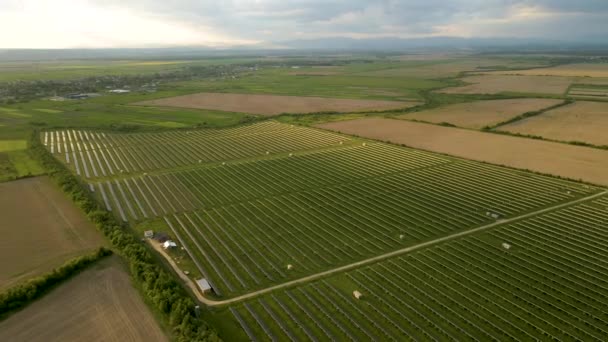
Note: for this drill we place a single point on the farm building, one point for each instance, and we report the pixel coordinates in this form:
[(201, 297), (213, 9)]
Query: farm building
[(357, 294), (161, 237), (204, 285), (149, 234), (169, 244), (506, 245)]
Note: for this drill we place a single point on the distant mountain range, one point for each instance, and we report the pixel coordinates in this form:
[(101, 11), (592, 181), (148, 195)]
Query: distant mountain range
[(338, 44)]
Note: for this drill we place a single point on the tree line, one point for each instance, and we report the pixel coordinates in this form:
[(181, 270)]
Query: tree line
[(21, 295), (159, 287)]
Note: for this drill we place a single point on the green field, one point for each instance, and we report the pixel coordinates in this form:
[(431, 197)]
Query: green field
[(286, 221)]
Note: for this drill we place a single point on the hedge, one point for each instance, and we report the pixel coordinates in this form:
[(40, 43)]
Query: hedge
[(21, 295)]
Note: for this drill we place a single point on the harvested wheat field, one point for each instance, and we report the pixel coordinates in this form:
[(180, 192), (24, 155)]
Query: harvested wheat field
[(595, 93), (568, 70), (481, 113), (41, 228), (97, 305), (580, 121), (494, 84), (274, 104), (569, 161)]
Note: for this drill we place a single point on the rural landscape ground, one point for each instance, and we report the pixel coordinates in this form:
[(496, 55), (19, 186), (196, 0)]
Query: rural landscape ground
[(423, 196)]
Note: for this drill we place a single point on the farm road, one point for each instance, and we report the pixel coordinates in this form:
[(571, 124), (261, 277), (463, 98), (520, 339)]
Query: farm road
[(211, 302)]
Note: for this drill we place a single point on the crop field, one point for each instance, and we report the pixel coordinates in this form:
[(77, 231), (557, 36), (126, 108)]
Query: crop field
[(480, 114), (447, 67), (41, 229), (582, 121), (99, 304), (273, 104), (568, 70), (550, 284), (595, 92), (246, 219), (574, 162), (495, 84)]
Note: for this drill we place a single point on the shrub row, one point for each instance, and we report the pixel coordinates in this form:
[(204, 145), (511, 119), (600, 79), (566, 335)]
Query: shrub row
[(19, 296), (158, 286)]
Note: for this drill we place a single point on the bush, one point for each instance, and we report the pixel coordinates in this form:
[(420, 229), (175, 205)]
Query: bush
[(19, 296), (157, 285)]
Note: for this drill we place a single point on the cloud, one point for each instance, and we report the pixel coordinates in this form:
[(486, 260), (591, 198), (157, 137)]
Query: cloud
[(118, 23)]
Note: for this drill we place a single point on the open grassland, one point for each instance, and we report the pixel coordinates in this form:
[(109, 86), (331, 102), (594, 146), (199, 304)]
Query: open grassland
[(569, 161), (41, 228), (349, 86), (480, 114), (580, 121), (98, 305), (447, 67), (568, 70), (273, 105), (320, 202), (15, 162), (551, 283), (495, 84)]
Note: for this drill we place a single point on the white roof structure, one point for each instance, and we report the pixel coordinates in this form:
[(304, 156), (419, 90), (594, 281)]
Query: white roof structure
[(149, 234), (203, 284), (169, 244), (357, 294)]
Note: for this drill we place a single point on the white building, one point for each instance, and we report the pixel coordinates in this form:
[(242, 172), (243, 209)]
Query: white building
[(169, 244), (204, 285), (357, 294)]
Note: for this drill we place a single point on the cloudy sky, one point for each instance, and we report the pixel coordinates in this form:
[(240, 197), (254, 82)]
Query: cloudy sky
[(224, 23)]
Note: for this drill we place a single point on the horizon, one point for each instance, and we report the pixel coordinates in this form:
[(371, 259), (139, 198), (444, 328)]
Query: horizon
[(269, 24)]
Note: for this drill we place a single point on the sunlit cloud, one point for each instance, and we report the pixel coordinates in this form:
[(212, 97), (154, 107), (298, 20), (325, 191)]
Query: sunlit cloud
[(226, 23)]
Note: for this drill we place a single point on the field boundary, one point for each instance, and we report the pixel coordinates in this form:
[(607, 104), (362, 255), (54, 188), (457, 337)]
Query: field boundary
[(211, 302)]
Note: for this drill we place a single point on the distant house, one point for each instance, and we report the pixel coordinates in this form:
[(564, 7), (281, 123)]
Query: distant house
[(357, 294), (169, 244), (76, 96), (506, 245), (149, 234), (204, 285)]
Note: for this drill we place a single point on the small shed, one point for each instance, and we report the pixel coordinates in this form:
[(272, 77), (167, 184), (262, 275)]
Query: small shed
[(289, 266), (148, 234), (506, 245), (161, 237), (204, 285), (357, 294), (169, 244)]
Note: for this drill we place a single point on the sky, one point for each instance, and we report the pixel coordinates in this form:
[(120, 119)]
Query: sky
[(228, 23)]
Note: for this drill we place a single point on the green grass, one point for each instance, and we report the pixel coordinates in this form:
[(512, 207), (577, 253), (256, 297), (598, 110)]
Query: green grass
[(15, 162), (24, 164), (339, 86), (12, 145)]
